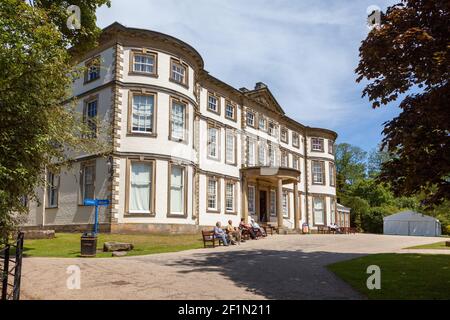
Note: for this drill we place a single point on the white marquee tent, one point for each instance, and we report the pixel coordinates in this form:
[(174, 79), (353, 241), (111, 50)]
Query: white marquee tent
[(409, 223)]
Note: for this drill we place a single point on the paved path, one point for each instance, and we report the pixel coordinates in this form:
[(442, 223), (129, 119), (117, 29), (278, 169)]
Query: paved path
[(279, 267)]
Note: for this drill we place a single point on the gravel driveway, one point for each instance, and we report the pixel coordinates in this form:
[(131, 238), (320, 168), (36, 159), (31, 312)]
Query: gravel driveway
[(279, 267)]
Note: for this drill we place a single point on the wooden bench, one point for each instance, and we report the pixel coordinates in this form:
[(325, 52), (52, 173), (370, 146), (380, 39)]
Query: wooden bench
[(209, 240), (323, 230)]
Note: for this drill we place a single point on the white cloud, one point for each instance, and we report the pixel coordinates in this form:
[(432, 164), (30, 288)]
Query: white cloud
[(305, 51)]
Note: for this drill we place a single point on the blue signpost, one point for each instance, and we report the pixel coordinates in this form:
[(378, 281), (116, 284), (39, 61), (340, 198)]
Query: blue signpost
[(97, 203)]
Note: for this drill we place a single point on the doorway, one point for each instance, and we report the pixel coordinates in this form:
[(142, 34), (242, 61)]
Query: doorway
[(263, 206)]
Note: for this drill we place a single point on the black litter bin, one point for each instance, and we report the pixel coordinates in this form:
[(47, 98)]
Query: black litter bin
[(88, 245)]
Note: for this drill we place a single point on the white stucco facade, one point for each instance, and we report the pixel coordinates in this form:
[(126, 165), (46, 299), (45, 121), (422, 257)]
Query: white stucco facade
[(215, 169)]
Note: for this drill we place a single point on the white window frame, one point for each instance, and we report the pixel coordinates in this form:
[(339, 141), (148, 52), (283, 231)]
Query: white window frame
[(262, 154), (150, 189), (144, 65), (213, 144), (251, 154), (144, 116), (229, 106), (316, 173), (212, 197), (250, 119), (174, 134), (182, 190), (317, 144), (230, 147), (229, 198), (216, 104), (315, 210)]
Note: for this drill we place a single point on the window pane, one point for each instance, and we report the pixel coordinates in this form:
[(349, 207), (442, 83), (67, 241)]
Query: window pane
[(144, 63), (91, 118), (317, 172), (143, 113), (229, 112), (230, 147), (212, 142), (318, 211), (176, 190), (250, 153), (178, 120), (212, 194), (140, 188), (212, 103), (229, 200)]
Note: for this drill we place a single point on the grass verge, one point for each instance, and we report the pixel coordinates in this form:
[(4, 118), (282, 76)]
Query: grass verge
[(67, 245), (436, 245), (403, 276)]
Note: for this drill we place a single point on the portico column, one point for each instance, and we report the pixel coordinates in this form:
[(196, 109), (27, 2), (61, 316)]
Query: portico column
[(280, 204), (296, 207), (245, 199)]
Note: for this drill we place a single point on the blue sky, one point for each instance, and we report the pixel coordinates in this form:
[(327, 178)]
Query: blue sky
[(304, 50)]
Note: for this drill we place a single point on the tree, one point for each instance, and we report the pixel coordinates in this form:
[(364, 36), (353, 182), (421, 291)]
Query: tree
[(37, 130), (350, 165), (408, 55), (375, 162)]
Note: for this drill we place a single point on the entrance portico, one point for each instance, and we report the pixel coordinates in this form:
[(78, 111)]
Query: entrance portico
[(266, 179)]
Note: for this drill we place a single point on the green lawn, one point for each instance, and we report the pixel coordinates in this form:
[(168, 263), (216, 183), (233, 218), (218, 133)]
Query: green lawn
[(67, 245), (403, 276), (436, 245)]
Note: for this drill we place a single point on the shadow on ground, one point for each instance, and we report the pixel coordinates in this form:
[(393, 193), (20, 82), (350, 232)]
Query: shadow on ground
[(275, 274)]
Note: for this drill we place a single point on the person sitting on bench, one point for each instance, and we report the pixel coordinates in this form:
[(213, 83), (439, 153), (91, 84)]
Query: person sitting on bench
[(257, 228), (234, 233), (220, 234), (248, 228)]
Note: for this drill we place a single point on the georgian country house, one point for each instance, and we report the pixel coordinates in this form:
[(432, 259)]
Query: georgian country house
[(187, 149)]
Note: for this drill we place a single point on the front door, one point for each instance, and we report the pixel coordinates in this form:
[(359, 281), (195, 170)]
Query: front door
[(263, 206)]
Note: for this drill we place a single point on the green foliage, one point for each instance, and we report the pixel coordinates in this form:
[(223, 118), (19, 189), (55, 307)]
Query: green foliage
[(37, 130), (80, 40), (361, 191), (409, 56)]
